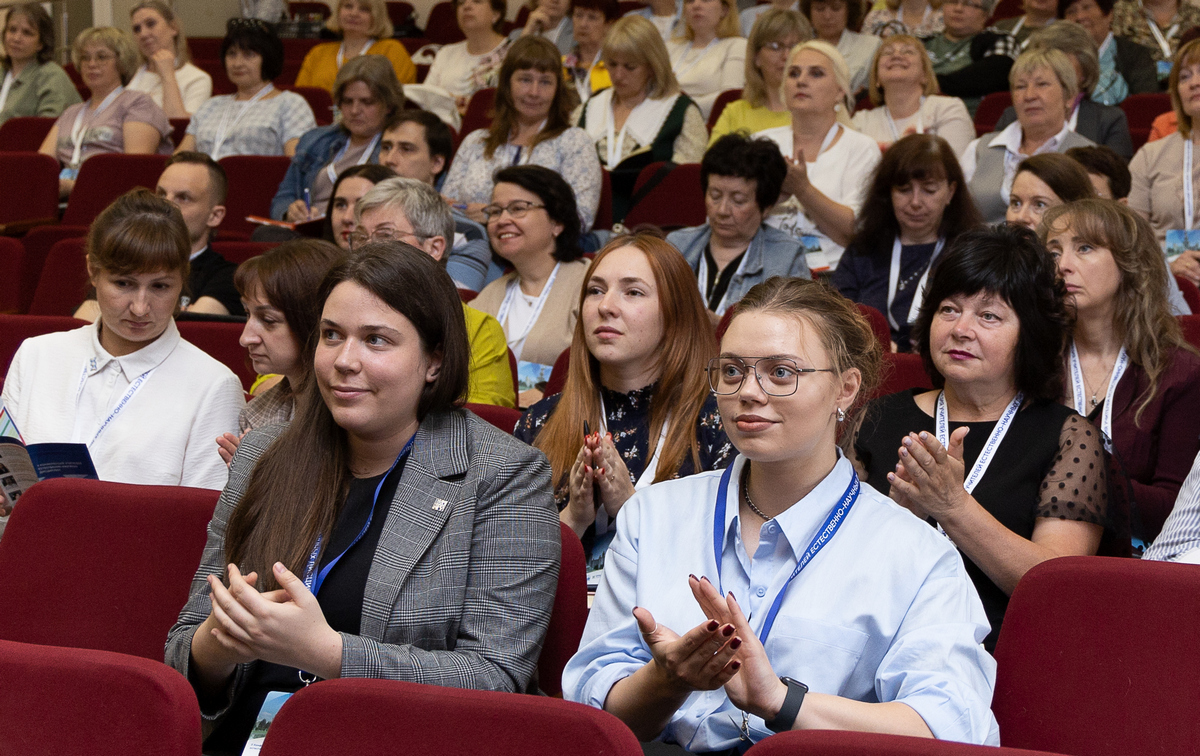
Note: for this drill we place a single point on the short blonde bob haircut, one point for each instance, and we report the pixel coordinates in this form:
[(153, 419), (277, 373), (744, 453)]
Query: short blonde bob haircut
[(381, 24), (636, 38), (1057, 61), (117, 41), (729, 26), (183, 53), (774, 25), (1075, 41), (873, 87), (1188, 55)]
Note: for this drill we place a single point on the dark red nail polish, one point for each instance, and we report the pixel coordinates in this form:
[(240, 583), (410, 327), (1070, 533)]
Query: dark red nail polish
[(728, 631), (735, 643), (713, 625), (735, 666), (692, 577)]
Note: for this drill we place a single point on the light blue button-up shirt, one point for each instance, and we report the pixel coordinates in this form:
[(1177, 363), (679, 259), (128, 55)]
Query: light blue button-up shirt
[(885, 612)]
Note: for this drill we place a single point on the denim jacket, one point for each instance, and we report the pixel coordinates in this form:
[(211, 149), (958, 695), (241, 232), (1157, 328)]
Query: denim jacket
[(771, 253), (315, 150)]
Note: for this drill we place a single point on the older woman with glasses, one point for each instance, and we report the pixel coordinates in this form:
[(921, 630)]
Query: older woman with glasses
[(761, 107)]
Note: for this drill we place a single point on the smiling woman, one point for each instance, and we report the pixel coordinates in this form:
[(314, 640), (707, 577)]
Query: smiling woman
[(147, 403)]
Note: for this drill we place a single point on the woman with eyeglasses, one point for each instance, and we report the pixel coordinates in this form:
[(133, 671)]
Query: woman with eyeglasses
[(816, 603), (637, 385), (533, 225), (761, 106), (167, 73)]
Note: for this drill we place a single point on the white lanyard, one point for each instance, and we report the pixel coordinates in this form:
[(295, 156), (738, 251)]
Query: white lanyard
[(8, 81), (894, 281), (828, 140), (679, 72), (510, 295), (1017, 27), (584, 85), (78, 130), (125, 399), (331, 170), (702, 281), (341, 53), (647, 477), (1107, 41), (993, 441), (920, 119), (1189, 207), (1163, 44), (227, 125), (615, 142), (1078, 391)]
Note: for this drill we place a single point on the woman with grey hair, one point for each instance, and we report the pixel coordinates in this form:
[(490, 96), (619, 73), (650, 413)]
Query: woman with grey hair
[(1090, 117), (115, 119)]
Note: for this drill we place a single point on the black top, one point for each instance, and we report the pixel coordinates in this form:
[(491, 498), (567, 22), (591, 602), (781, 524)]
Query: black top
[(862, 276), (212, 276), (718, 283), (340, 597), (1049, 465)]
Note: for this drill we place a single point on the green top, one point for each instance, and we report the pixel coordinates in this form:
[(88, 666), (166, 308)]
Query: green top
[(41, 89)]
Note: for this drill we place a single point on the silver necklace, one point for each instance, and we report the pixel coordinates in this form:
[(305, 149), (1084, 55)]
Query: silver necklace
[(746, 493)]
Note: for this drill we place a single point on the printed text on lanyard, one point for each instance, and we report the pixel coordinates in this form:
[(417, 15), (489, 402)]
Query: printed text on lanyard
[(88, 368), (990, 446), (1078, 392)]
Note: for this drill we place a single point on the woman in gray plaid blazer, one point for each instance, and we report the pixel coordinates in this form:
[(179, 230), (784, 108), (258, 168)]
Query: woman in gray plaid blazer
[(391, 534)]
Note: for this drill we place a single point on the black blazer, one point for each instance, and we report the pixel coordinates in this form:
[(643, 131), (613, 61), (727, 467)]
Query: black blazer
[(1103, 124), (1136, 66)]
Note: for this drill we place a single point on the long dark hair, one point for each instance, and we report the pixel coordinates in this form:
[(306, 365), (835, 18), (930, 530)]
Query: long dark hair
[(299, 485), (917, 157), (372, 172)]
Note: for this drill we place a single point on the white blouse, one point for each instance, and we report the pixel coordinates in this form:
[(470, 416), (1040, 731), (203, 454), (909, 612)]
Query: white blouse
[(61, 387), (195, 86), (705, 73)]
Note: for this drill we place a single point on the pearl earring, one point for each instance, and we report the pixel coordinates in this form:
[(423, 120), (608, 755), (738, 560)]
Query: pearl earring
[(841, 415)]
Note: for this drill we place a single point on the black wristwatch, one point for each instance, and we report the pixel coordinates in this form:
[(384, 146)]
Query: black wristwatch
[(786, 717)]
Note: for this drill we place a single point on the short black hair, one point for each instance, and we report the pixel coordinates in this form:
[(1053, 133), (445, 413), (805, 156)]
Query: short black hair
[(437, 134), (1102, 161), (216, 174), (1106, 6), (740, 156), (254, 36), (558, 197), (1010, 262)]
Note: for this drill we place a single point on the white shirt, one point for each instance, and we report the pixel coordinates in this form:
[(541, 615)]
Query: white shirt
[(452, 68), (1010, 138), (195, 86), (704, 73), (165, 435), (842, 173), (518, 318), (902, 624), (859, 51)]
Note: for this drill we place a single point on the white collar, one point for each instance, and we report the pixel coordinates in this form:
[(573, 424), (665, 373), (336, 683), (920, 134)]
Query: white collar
[(147, 358), (1010, 139), (643, 122)]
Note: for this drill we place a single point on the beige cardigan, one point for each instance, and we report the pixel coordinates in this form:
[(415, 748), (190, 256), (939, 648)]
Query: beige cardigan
[(555, 326)]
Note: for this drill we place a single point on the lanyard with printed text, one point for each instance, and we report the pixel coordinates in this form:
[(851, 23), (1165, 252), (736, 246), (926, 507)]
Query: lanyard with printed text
[(78, 129), (920, 119), (134, 387), (8, 82), (1078, 392), (341, 53), (702, 280), (331, 170)]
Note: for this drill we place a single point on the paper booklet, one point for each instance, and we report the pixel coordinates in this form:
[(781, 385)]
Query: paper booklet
[(21, 466)]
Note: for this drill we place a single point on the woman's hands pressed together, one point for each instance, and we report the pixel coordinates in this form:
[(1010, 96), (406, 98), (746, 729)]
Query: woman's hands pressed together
[(598, 468), (929, 478)]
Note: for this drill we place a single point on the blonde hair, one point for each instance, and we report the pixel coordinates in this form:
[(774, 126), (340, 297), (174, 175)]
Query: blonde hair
[(729, 26), (1075, 41), (636, 37), (894, 5), (381, 24), (1055, 60), (183, 53), (841, 75), (1188, 54), (772, 25), (873, 87), (119, 42)]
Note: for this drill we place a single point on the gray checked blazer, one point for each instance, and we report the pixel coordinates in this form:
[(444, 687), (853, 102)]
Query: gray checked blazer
[(458, 595)]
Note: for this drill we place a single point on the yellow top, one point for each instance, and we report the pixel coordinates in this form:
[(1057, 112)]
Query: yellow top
[(491, 379), (740, 116), (320, 67), (599, 76)]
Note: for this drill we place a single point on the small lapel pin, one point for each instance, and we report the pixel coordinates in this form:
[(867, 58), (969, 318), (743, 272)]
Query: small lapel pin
[(439, 505)]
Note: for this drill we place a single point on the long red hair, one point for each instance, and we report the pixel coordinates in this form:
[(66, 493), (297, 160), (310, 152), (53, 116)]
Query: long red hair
[(688, 343)]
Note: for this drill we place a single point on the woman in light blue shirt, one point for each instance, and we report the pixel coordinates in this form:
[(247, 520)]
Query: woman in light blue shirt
[(850, 612)]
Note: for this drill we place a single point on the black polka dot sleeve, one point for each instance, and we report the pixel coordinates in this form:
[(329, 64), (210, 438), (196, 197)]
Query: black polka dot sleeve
[(1076, 487)]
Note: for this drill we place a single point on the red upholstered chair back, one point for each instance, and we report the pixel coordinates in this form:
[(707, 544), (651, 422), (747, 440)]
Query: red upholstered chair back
[(442, 26), (1191, 294), (1140, 111), (64, 282), (1191, 329), (399, 13), (558, 373), (504, 418), (321, 102), (879, 325), (36, 247), (25, 133), (426, 719), (103, 178), (78, 701), (901, 372), (253, 181), (1097, 657), (568, 617), (478, 109), (630, 5), (676, 202), (220, 341), (35, 195), (834, 743), (89, 564), (1006, 9), (12, 259), (16, 328), (179, 128), (990, 109), (240, 251), (723, 99)]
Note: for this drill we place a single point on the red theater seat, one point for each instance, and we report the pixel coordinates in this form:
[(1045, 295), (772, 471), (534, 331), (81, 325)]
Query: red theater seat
[(723, 99), (569, 614), (63, 285), (253, 181), (220, 341), (676, 202), (991, 107), (902, 372), (504, 418), (14, 329), (25, 133), (442, 26)]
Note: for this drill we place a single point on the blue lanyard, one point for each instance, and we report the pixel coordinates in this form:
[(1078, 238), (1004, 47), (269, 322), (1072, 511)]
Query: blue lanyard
[(313, 579), (824, 535)]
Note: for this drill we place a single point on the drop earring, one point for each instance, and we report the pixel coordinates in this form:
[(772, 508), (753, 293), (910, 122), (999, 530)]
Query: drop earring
[(841, 415)]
